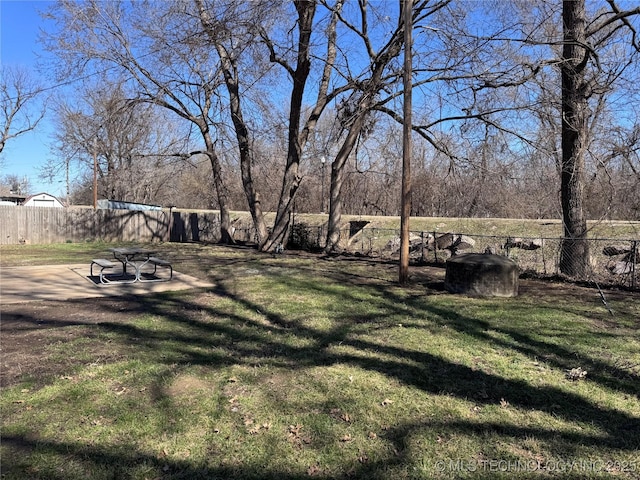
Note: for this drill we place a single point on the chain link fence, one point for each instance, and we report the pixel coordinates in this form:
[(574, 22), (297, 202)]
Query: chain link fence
[(614, 262)]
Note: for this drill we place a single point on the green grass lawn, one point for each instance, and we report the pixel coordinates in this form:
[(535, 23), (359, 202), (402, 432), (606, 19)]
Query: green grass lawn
[(304, 366)]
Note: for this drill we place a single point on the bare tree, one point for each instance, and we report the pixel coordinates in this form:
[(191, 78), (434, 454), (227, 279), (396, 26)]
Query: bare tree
[(17, 95), (131, 143), (165, 63), (254, 79), (299, 130), (369, 90), (584, 76), (222, 28), (14, 185), (294, 54), (617, 175)]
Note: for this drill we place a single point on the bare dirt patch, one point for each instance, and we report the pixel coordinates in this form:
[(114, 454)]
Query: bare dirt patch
[(31, 331), (188, 385)]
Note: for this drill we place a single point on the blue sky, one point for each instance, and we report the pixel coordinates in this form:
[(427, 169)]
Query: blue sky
[(25, 155)]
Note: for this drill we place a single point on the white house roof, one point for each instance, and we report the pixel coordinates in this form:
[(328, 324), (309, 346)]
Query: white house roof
[(42, 199)]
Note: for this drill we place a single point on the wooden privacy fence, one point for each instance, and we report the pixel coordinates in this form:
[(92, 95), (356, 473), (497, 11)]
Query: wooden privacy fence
[(42, 225)]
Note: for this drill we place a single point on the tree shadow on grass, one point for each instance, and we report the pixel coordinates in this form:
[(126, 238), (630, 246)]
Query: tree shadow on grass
[(201, 338), (425, 371), (264, 343), (118, 463), (605, 374)]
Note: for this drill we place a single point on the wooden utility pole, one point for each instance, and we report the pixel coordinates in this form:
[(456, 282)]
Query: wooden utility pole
[(406, 145), (95, 172)]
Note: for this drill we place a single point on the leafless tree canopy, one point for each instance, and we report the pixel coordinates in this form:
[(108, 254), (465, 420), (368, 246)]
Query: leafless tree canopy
[(264, 90), (18, 93)]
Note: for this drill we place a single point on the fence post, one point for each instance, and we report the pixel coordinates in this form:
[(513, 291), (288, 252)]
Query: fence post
[(435, 247), (634, 259)]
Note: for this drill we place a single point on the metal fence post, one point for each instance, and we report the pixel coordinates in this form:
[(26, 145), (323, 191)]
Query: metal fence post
[(435, 247), (634, 259)]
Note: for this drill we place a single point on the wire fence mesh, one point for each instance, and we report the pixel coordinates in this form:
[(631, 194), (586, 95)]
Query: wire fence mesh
[(611, 262)]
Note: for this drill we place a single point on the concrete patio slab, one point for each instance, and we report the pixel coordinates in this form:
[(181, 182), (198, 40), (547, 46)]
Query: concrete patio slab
[(64, 282)]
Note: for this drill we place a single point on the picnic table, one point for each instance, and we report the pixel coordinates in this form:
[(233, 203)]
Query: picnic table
[(136, 258)]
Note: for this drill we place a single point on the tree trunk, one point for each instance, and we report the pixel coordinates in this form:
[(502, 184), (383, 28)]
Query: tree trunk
[(225, 218), (242, 135), (574, 255), (230, 73), (337, 180), (335, 208), (291, 182), (253, 197)]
